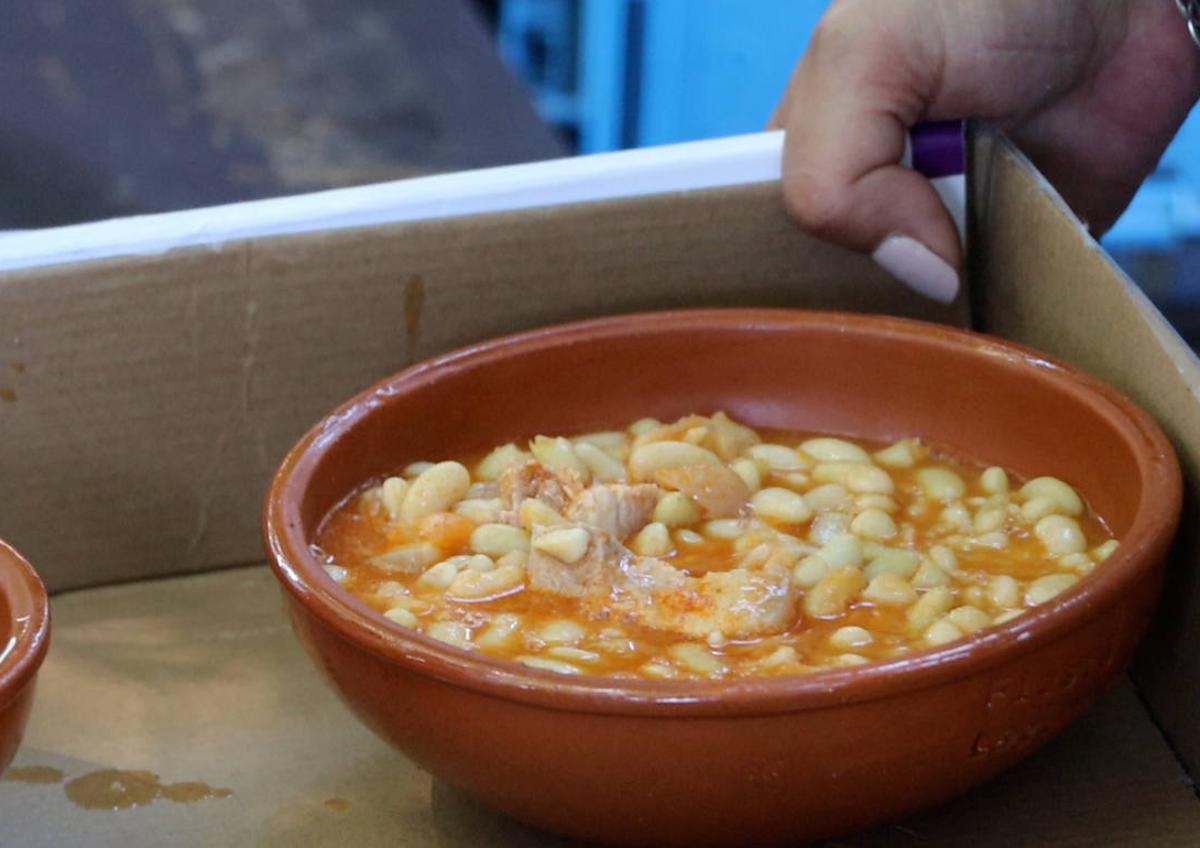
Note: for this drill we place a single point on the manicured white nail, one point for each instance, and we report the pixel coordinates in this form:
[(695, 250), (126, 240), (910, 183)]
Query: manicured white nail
[(918, 267)]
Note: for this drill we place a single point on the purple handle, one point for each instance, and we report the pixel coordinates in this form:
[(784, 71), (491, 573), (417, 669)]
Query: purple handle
[(939, 149)]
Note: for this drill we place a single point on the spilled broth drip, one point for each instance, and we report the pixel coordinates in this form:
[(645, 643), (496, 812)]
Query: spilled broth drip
[(116, 789)]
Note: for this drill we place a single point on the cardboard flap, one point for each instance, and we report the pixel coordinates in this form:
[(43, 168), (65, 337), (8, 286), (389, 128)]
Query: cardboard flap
[(150, 397), (1041, 280)]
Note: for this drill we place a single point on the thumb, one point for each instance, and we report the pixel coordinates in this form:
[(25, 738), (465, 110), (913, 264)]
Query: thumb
[(847, 112)]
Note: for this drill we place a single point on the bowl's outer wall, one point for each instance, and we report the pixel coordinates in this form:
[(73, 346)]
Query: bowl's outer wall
[(23, 596), (760, 777), (13, 717), (772, 779)]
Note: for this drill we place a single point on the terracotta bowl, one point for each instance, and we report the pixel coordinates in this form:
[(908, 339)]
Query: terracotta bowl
[(24, 638), (751, 762)]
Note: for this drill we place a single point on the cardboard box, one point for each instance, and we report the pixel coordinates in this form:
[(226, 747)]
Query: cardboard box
[(154, 371)]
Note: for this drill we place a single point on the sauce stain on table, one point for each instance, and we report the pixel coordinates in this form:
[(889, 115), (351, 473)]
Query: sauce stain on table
[(114, 789), (7, 394), (338, 805), (34, 775)]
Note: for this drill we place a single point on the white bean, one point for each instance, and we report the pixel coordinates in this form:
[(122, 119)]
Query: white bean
[(989, 520), (875, 501), (473, 585), (1080, 563), (1045, 588), (392, 493), (439, 577), (889, 590), (747, 469), (612, 442), (534, 511), (724, 528), (644, 425), (827, 525), (842, 550), (675, 509), (829, 496), (857, 477), (653, 540), (825, 449), (929, 607), (902, 454), (810, 570), (1003, 592), (994, 481), (833, 593), (500, 632), (940, 483), (885, 560), (942, 632), (968, 619), (1064, 497), (558, 452), (496, 540), (451, 632), (604, 466), (943, 557), (780, 505), (849, 660), (402, 617), (1037, 508), (784, 655), (647, 459), (776, 458), (955, 516), (480, 510), (696, 658), (1060, 535), (567, 544), (544, 664), (494, 464), (873, 524), (407, 559), (480, 562), (561, 631), (929, 575), (851, 636), (436, 489)]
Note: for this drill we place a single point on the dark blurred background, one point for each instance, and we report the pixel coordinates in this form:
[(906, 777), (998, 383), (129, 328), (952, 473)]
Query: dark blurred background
[(133, 106)]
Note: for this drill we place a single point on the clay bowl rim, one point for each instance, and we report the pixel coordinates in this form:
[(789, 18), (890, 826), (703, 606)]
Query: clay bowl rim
[(352, 620), (26, 598)]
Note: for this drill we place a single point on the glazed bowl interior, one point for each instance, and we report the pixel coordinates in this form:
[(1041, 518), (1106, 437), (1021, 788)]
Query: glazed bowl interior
[(867, 377)]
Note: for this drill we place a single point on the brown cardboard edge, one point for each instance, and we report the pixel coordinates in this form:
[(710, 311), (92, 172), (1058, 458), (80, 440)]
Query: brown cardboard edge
[(1097, 318), (155, 394)]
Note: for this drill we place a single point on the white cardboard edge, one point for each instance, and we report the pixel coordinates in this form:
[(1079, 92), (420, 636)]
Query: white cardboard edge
[(736, 160)]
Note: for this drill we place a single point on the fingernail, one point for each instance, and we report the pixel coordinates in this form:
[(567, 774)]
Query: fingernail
[(918, 267)]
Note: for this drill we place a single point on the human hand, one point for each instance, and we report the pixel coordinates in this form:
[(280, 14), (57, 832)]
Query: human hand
[(1092, 90)]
